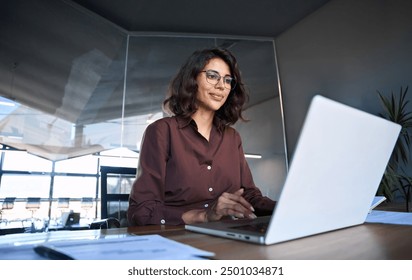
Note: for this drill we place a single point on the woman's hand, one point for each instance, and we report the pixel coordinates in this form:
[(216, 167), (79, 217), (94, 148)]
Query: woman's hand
[(228, 204)]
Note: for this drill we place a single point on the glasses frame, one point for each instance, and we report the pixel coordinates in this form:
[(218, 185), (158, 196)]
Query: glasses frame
[(213, 82)]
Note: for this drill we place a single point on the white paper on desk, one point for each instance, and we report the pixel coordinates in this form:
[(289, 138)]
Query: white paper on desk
[(144, 247), (389, 217)]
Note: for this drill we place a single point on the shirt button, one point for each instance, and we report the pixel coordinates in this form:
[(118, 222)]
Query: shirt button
[(162, 221), (210, 189), (209, 167), (206, 205)]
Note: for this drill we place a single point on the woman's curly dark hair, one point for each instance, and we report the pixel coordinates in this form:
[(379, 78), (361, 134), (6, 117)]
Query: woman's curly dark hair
[(181, 100)]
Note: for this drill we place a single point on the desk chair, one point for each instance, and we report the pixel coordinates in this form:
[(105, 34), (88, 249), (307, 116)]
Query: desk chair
[(8, 204), (115, 201), (62, 204), (86, 203), (33, 204)]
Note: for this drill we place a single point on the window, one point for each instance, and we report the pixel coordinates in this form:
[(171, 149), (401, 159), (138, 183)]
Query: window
[(20, 160), (24, 175), (84, 164)]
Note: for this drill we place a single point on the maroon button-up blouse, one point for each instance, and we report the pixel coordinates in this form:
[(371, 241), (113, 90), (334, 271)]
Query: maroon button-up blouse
[(179, 170)]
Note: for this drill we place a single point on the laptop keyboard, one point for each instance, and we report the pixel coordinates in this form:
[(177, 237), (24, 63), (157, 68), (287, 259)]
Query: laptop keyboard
[(258, 227)]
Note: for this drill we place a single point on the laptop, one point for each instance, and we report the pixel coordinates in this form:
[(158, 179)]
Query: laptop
[(338, 163)]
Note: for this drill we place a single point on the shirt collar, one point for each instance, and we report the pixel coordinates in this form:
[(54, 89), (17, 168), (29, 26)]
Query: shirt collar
[(184, 122)]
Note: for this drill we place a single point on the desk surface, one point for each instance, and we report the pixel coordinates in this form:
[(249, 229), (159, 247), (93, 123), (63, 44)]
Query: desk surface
[(367, 241)]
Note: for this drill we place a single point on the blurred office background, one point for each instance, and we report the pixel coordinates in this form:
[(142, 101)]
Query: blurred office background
[(81, 80)]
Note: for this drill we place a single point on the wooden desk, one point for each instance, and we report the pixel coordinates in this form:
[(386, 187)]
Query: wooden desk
[(368, 241)]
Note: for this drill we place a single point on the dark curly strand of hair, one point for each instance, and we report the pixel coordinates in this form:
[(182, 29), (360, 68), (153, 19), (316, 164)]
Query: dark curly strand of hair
[(181, 100)]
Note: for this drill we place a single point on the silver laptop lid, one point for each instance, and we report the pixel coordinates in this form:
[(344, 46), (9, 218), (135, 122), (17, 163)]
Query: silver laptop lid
[(336, 169)]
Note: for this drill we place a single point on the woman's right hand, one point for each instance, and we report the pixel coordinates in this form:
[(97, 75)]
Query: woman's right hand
[(228, 204)]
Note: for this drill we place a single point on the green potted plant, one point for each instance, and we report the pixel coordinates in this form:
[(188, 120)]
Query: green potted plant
[(395, 178)]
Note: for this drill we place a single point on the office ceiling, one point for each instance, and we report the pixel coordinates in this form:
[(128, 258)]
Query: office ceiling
[(266, 18)]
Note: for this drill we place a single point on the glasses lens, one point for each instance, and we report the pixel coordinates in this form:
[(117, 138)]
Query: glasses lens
[(213, 78), (229, 82)]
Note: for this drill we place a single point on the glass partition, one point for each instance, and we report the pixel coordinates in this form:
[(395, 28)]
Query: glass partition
[(61, 77), (73, 85), (152, 61)]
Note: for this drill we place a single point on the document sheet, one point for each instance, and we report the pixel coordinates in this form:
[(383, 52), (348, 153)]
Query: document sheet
[(144, 247)]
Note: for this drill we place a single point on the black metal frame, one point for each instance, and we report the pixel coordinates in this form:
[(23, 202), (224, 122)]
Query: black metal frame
[(105, 197)]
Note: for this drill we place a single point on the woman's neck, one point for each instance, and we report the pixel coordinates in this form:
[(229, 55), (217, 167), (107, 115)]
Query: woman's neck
[(204, 122)]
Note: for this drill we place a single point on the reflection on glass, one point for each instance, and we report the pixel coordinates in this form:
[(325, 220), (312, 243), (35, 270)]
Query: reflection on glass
[(97, 88), (63, 83), (102, 101), (120, 183)]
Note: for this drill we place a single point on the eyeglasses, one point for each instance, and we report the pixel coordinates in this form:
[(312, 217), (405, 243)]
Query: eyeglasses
[(213, 77)]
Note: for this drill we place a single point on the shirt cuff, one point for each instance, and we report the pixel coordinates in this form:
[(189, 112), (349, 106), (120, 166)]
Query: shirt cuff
[(154, 213)]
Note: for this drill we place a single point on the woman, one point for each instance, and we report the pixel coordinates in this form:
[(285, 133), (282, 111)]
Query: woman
[(192, 166)]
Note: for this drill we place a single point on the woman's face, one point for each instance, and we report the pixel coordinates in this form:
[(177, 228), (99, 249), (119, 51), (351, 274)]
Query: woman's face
[(211, 96)]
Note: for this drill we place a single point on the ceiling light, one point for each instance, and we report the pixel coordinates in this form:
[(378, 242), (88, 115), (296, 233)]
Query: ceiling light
[(253, 155)]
